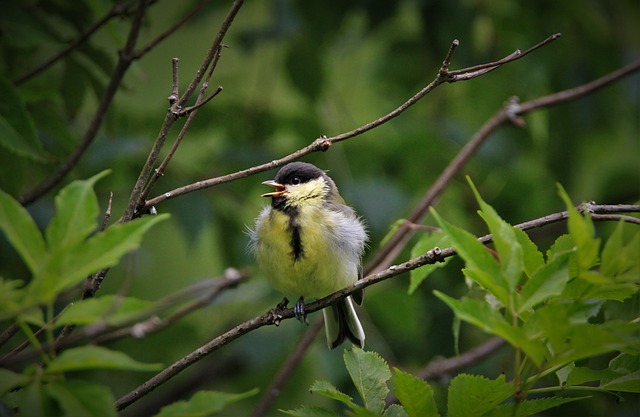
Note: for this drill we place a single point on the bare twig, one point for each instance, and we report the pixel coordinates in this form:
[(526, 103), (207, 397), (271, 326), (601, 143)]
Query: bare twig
[(101, 333), (509, 113), (278, 314), (135, 202), (323, 143)]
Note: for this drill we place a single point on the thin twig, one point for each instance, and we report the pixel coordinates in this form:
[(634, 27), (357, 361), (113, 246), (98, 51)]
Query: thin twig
[(134, 206), (509, 113), (278, 314), (322, 143)]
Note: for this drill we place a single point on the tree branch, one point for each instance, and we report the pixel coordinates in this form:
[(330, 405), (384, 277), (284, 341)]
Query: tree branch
[(323, 143), (276, 315), (509, 113)]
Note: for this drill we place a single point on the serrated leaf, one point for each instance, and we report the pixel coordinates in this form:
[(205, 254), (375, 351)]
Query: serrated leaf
[(311, 411), (203, 404), (369, 373), (426, 243), (548, 281), (21, 231), (395, 410), (113, 309), (100, 251), (625, 383), (482, 315), (533, 258), (82, 398), (477, 259), (505, 240), (96, 357), (473, 395), (415, 395), (529, 407), (76, 213), (618, 258), (582, 232), (626, 374), (328, 390)]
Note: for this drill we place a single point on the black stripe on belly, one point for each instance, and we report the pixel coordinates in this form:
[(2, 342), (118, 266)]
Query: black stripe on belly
[(296, 241)]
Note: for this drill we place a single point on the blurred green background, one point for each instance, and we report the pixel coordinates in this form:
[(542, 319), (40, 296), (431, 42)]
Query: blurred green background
[(295, 70)]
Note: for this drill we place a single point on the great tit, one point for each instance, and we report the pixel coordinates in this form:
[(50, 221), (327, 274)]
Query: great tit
[(309, 244)]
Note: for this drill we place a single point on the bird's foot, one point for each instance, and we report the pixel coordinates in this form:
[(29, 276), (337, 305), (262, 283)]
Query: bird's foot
[(299, 313)]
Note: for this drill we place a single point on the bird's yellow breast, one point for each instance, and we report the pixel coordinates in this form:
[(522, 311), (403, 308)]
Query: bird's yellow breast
[(319, 268)]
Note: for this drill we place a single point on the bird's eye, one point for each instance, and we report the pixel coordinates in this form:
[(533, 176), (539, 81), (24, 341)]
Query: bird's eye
[(295, 181)]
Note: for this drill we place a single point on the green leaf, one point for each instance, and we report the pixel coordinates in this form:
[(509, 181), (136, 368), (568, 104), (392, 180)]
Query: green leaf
[(369, 373), (102, 250), (582, 231), (82, 398), (482, 315), (626, 368), (22, 232), (328, 390), (478, 259), (548, 281), (96, 357), (113, 309), (76, 212), (473, 395), (10, 297), (311, 411), (529, 407), (618, 258), (33, 401), (505, 240), (426, 243), (395, 410), (10, 380), (203, 403), (415, 395), (17, 130), (579, 375), (533, 258)]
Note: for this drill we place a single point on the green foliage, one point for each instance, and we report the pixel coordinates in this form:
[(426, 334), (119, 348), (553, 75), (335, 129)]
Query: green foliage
[(203, 404), (370, 375), (532, 303), (70, 252), (71, 249)]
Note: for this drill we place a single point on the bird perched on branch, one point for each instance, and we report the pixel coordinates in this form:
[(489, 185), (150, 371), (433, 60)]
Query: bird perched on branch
[(309, 244)]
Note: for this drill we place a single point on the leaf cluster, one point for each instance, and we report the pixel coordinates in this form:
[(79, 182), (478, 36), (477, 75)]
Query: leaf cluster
[(544, 305)]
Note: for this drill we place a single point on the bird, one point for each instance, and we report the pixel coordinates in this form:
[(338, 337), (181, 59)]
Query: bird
[(309, 243)]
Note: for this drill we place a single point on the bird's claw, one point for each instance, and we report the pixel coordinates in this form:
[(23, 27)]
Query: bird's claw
[(299, 312)]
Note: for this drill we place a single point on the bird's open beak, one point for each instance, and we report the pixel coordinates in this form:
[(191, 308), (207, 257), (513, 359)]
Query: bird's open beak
[(279, 189)]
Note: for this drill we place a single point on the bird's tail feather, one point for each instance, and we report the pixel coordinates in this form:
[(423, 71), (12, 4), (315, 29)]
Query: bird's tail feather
[(341, 322)]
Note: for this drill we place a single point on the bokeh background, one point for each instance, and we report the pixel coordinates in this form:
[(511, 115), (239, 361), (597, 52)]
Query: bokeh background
[(295, 70)]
